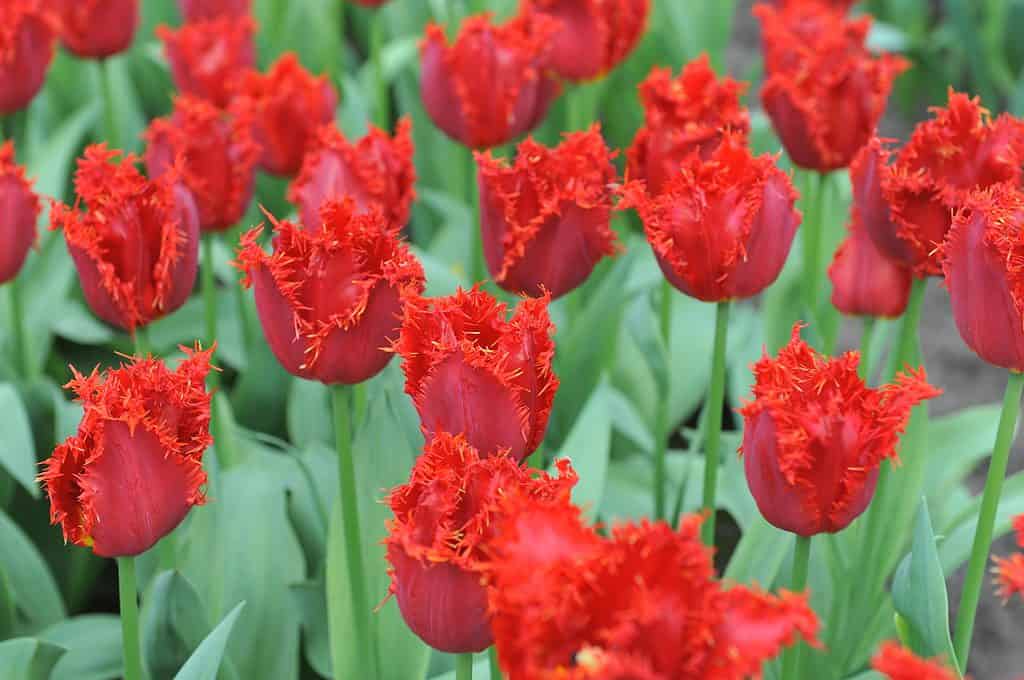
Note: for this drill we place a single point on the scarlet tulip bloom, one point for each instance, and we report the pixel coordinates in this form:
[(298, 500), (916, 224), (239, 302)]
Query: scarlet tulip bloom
[(545, 219), (330, 298), (289, 105), (682, 115), (721, 228), (864, 281), (376, 170), (134, 469), (815, 435), (643, 603), (491, 84), (20, 207), (594, 36), (1009, 571), (436, 545), (26, 49), (219, 155), (469, 369), (199, 10), (370, 3), (97, 28), (136, 246), (897, 663), (208, 57)]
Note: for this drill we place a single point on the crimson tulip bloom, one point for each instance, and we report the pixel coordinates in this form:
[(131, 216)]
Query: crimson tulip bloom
[(370, 3), (1009, 571), (136, 247), (682, 115), (593, 36), (721, 228), (97, 29), (898, 663), (864, 281), (208, 57), (815, 435), (545, 219), (436, 545), (330, 298), (26, 50), (20, 208), (491, 84), (376, 170), (134, 469), (470, 370), (199, 10), (219, 154)]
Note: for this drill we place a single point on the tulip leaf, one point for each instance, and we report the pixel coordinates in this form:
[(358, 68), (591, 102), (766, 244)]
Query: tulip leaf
[(310, 597), (17, 450), (309, 413), (204, 663), (76, 323), (93, 643), (480, 670), (957, 542), (28, 576), (28, 658), (588, 446)]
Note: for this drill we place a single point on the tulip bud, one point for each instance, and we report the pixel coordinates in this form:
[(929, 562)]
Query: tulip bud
[(134, 469), (898, 663), (377, 171), (1009, 571), (815, 435), (330, 298), (208, 57), (199, 10), (490, 85), (721, 228), (545, 220), (26, 49), (97, 29), (864, 281), (136, 247), (19, 208)]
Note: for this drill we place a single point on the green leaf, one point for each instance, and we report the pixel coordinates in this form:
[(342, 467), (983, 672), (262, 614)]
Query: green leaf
[(17, 451), (311, 599), (93, 642), (759, 554), (588, 446), (50, 164), (481, 669), (76, 323), (309, 413), (206, 660), (28, 576), (28, 659)]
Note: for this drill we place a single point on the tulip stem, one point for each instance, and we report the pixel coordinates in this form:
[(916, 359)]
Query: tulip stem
[(905, 344), (801, 559), (867, 334), (662, 426), (492, 656), (110, 132), (716, 397), (987, 518), (19, 338), (811, 234), (128, 593), (464, 667), (209, 284), (477, 266), (142, 348), (383, 109)]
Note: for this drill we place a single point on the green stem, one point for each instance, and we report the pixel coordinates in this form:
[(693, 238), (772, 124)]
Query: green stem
[(906, 343), (987, 518), (867, 334), (111, 133), (141, 340), (464, 667), (208, 281), (716, 397), (478, 267), (811, 234), (492, 656), (801, 559), (129, 618), (383, 109), (19, 336), (662, 426)]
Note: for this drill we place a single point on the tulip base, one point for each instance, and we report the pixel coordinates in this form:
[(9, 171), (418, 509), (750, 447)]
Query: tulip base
[(801, 560), (464, 667), (127, 591), (716, 397)]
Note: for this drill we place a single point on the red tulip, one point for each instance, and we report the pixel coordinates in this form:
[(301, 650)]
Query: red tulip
[(545, 219), (134, 469), (97, 28), (376, 170), (722, 227), (490, 85), (470, 370), (289, 105), (436, 545), (682, 115), (815, 435), (208, 57), (26, 49), (864, 281), (593, 36), (198, 10), (19, 207), (370, 3), (136, 247), (330, 298), (219, 158), (897, 663), (1009, 571)]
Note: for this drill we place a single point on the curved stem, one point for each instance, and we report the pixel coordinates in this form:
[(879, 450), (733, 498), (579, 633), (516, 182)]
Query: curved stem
[(19, 335), (801, 559), (383, 109), (464, 667), (716, 398), (127, 591), (661, 425)]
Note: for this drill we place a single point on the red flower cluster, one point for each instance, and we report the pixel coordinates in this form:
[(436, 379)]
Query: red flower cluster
[(97, 28), (20, 208), (207, 56), (815, 435), (27, 35), (898, 663), (1009, 571), (198, 10), (134, 469), (865, 281), (545, 219)]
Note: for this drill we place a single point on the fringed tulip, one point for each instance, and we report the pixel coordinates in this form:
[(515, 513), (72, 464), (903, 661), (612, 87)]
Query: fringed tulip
[(27, 37), (134, 469), (545, 219), (330, 298), (199, 10), (1009, 571), (19, 210), (898, 663), (815, 435), (208, 57), (470, 370), (96, 29), (136, 246), (864, 281)]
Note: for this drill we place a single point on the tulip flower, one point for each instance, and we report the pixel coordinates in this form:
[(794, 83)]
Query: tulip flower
[(289, 105), (370, 3), (681, 115), (96, 29), (1009, 571), (136, 245), (469, 369), (437, 542), (20, 208), (491, 84), (199, 10), (864, 281), (898, 663), (593, 36), (377, 170), (26, 50), (330, 298), (208, 57), (545, 219)]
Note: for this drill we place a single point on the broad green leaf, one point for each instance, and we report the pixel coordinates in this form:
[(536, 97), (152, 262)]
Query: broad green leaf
[(8, 607), (93, 642), (75, 322), (627, 420), (956, 545), (17, 450), (759, 554), (28, 576), (311, 599), (481, 669), (309, 413), (588, 446), (206, 660), (28, 659), (51, 163)]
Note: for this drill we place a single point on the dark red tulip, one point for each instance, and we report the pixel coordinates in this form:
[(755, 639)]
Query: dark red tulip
[(330, 298), (219, 155), (376, 170), (19, 208), (26, 49), (545, 219), (682, 115), (722, 227), (135, 468), (97, 28), (370, 3), (899, 663), (815, 435), (864, 281), (289, 105), (593, 36), (208, 57), (469, 369), (199, 10), (490, 85), (136, 246)]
